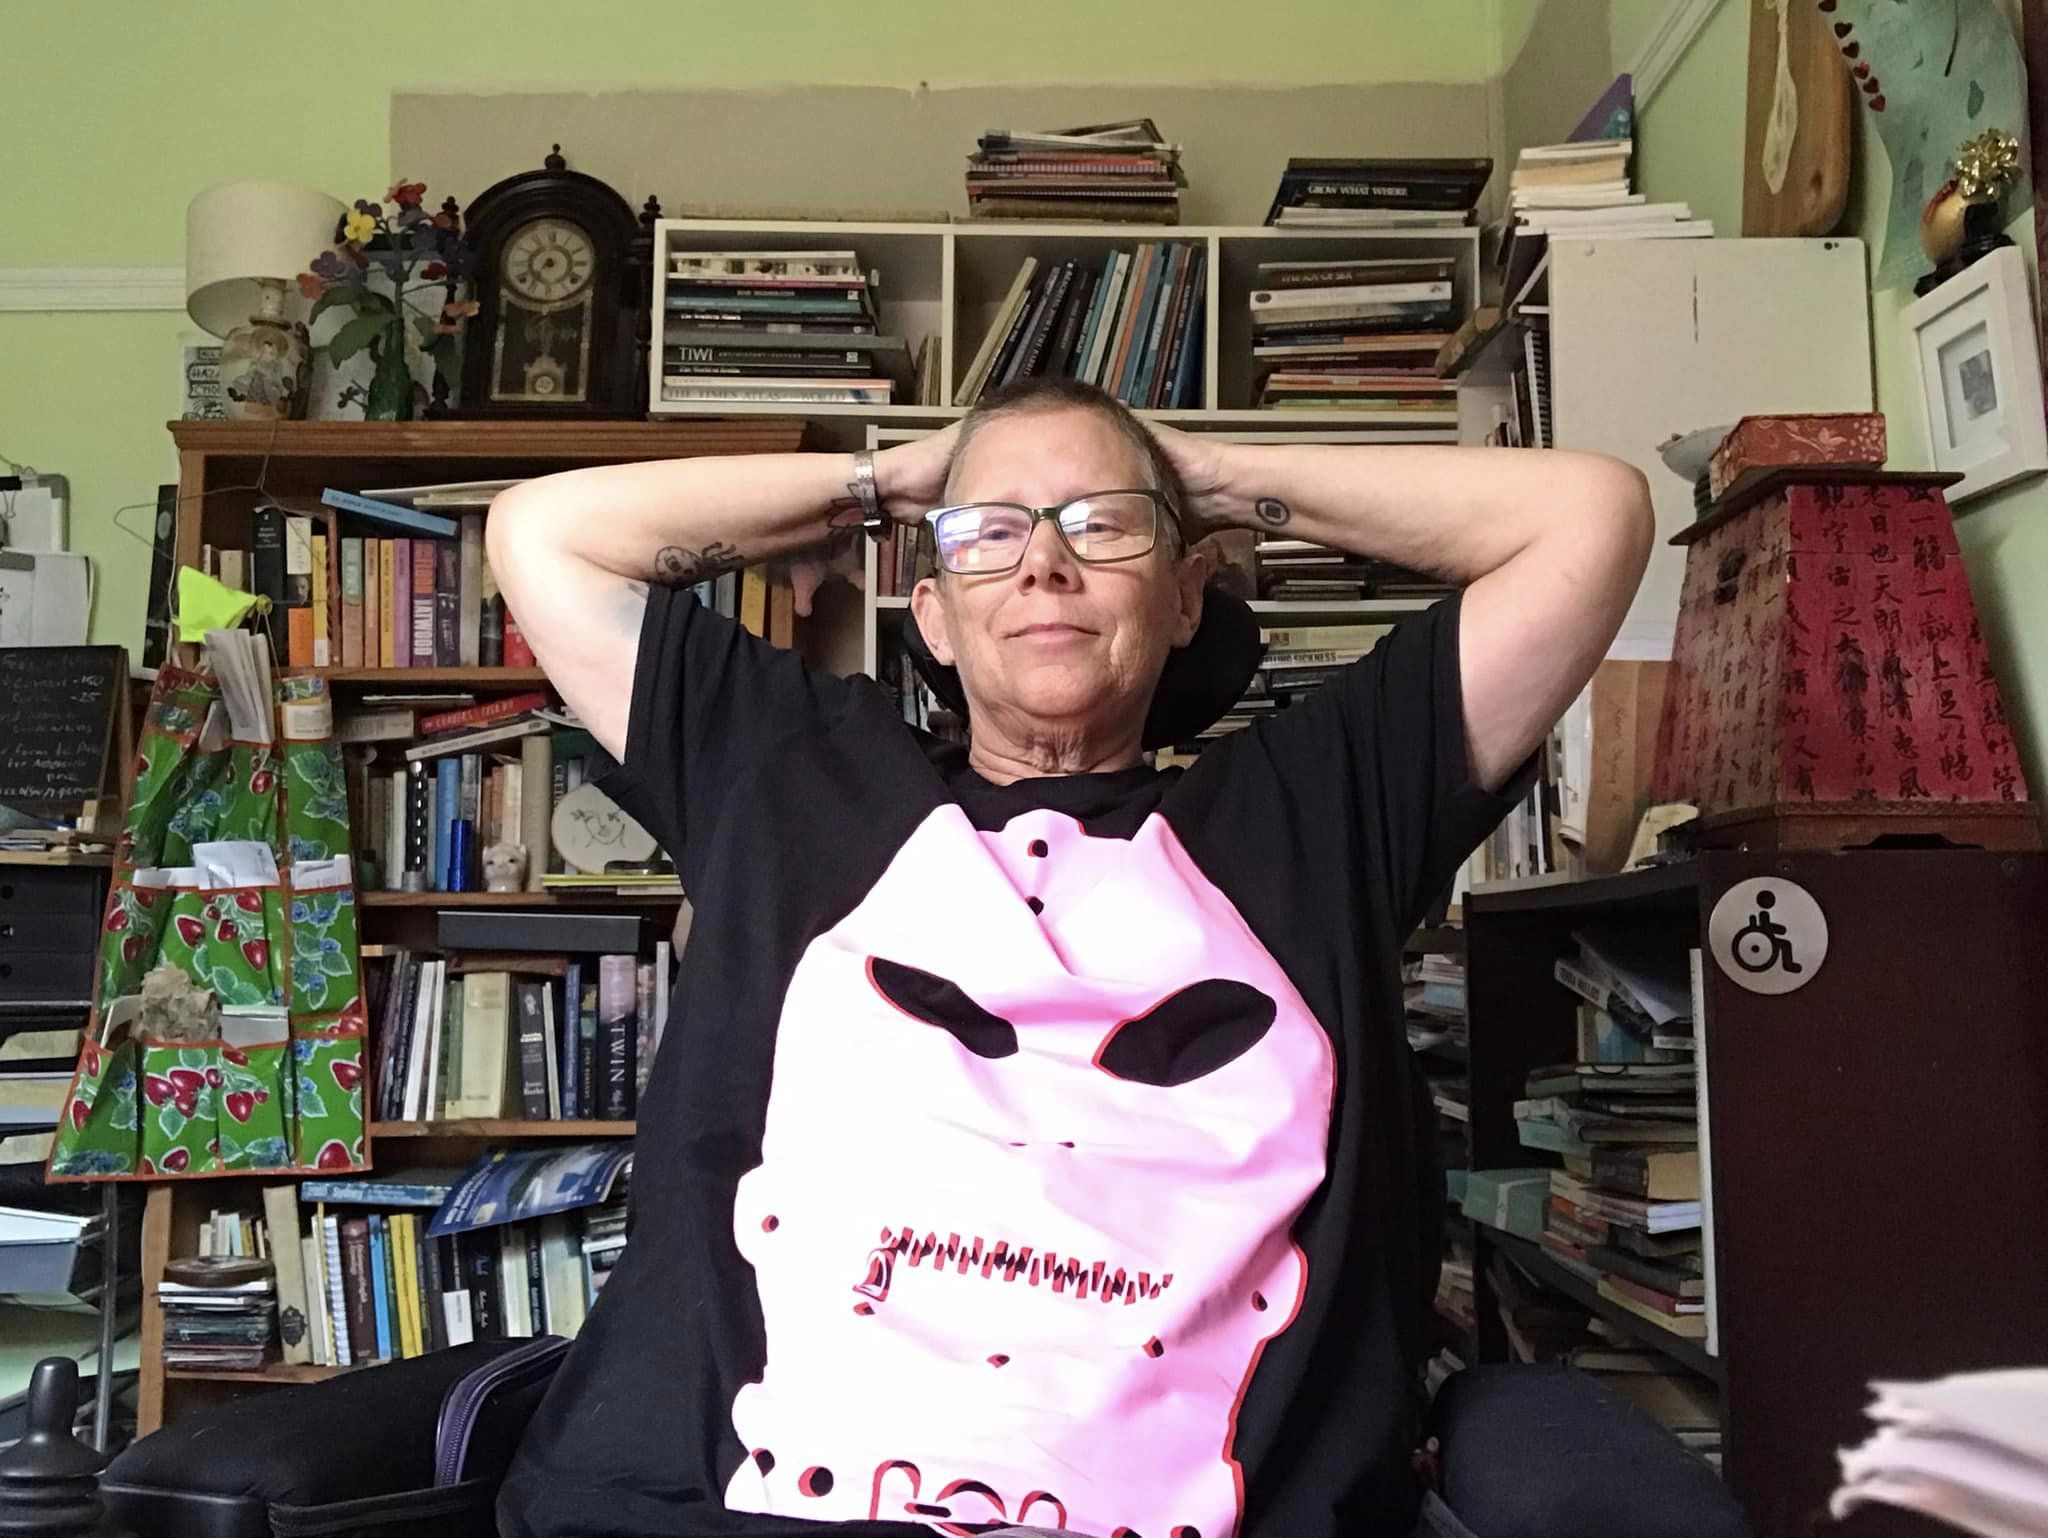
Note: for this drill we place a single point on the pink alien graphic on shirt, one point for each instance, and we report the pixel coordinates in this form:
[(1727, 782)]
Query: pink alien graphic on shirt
[(1043, 1113)]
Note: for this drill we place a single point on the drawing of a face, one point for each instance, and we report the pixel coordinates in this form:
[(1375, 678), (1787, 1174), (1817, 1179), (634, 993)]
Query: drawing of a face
[(1043, 1113)]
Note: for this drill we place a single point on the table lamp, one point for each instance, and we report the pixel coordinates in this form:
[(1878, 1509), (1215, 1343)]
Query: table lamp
[(244, 244)]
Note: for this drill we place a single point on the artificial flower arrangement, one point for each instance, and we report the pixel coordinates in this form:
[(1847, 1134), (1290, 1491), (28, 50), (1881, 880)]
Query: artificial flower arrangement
[(415, 252)]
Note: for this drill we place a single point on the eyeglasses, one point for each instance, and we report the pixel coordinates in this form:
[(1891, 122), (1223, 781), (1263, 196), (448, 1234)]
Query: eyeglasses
[(980, 539)]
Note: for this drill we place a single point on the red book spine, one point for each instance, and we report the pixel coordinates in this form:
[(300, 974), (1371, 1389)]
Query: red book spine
[(517, 653), (401, 603), (480, 715)]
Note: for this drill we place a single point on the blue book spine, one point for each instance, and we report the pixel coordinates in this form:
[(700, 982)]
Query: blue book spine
[(447, 797), (461, 856), (411, 519), (379, 1293), (568, 1030), (1127, 376), (1155, 326), (1095, 308), (367, 1191), (1185, 391)]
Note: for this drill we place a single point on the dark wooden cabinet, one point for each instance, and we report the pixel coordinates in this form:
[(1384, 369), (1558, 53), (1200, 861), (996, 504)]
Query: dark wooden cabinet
[(1876, 1141)]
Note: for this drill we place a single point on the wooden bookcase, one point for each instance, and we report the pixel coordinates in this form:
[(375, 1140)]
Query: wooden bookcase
[(225, 470), (1875, 1142)]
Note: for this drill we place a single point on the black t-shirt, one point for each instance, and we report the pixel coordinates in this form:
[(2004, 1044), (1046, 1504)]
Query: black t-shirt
[(1045, 1153)]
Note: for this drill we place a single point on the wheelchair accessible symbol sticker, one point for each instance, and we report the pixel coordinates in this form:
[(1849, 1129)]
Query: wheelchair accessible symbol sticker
[(1768, 935)]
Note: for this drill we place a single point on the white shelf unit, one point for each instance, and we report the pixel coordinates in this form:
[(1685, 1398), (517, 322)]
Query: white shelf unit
[(949, 280)]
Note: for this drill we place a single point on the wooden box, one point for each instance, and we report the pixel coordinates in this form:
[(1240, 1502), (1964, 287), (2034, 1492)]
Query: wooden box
[(1828, 659), (1838, 440)]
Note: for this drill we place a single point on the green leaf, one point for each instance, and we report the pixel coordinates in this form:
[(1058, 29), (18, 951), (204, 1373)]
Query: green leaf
[(423, 327), (170, 1121), (446, 360), (353, 337), (339, 293)]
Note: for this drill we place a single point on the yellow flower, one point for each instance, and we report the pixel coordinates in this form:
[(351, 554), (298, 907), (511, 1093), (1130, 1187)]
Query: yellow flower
[(358, 227)]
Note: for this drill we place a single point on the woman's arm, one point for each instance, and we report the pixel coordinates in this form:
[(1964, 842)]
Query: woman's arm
[(1549, 545), (573, 552)]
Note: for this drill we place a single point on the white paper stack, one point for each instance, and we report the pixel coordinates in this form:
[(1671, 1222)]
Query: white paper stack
[(1970, 1450)]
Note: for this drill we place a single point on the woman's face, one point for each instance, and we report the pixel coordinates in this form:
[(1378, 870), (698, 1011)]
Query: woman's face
[(1058, 645)]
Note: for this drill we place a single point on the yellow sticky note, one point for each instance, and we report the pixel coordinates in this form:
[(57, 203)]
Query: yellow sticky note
[(205, 603)]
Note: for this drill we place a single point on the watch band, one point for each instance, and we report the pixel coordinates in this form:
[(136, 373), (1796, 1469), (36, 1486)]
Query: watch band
[(870, 499)]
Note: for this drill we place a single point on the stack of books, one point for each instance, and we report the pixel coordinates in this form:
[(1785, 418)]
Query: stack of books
[(1580, 188), (219, 1313), (533, 1038), (1361, 336), (1296, 661), (1434, 1000), (395, 1266), (1378, 194), (1129, 321), (1296, 570), (796, 327), (1122, 173)]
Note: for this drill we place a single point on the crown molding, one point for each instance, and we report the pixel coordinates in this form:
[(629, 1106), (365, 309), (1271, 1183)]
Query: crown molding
[(92, 288)]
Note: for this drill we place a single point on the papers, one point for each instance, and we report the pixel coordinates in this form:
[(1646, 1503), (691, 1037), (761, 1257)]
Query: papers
[(241, 661), (1970, 1450)]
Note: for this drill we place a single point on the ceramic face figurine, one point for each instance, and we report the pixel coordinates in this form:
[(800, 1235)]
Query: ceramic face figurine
[(504, 867)]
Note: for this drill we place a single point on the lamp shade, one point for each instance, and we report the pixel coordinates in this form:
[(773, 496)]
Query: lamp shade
[(241, 232)]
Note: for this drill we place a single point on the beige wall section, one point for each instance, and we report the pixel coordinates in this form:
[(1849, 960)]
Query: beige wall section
[(857, 147), (1559, 67)]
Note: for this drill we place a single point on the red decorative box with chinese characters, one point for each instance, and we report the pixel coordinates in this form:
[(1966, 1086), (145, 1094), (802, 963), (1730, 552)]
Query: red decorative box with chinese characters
[(1828, 659), (1846, 439)]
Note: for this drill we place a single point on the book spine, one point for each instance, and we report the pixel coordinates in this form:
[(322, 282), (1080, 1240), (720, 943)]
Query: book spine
[(1170, 279), (479, 1251), (427, 1261), (491, 644), (383, 1299), (643, 1021), (398, 1253), (469, 592), (334, 1267), (391, 514), (319, 1328), (266, 570), (447, 803), (1175, 334), (351, 602), (517, 653), (298, 590), (572, 1040), (361, 1302), (590, 1098), (323, 618), (1144, 269), (533, 1067), (438, 721), (401, 603), (1035, 312), (616, 987), (536, 1282), (1186, 390), (754, 601), (1040, 345), (424, 564), (447, 604), (418, 829), (1066, 340), (448, 1050), (536, 780), (373, 602), (294, 1304)]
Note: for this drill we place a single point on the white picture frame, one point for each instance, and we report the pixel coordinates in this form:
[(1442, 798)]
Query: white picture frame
[(1976, 361)]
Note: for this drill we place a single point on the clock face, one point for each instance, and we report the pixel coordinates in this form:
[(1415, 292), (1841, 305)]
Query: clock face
[(548, 261)]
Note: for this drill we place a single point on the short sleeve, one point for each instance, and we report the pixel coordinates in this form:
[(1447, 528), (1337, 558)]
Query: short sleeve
[(709, 699), (1362, 789)]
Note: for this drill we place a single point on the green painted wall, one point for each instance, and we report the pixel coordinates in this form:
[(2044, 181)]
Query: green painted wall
[(116, 112)]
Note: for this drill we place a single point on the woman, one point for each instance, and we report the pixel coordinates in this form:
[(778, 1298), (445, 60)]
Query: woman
[(1036, 1142)]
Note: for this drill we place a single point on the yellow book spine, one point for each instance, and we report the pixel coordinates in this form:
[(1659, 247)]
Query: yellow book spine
[(386, 638), (323, 646), (754, 600), (408, 1285)]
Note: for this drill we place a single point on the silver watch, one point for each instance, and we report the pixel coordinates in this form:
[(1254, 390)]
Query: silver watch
[(863, 484)]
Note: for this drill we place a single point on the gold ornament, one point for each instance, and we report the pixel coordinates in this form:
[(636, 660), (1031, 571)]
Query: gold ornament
[(1986, 166)]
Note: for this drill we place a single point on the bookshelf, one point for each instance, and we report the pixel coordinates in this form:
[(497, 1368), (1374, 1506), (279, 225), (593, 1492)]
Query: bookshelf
[(225, 469), (1868, 1140)]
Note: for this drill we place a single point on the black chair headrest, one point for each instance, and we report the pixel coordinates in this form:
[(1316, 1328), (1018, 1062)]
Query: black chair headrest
[(1200, 681)]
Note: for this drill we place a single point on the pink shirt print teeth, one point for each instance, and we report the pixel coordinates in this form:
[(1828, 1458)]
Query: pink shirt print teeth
[(1043, 1113)]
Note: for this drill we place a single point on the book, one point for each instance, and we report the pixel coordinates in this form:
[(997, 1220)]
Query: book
[(1657, 1174), (505, 1186), (753, 614), (483, 737), (351, 602), (374, 553), (425, 565), (447, 603), (1672, 1281), (398, 602), (381, 1300), (571, 1035), (361, 1310), (529, 997), (486, 1033), (391, 515), (400, 1188), (294, 1301), (616, 996), (469, 593), (1690, 1326)]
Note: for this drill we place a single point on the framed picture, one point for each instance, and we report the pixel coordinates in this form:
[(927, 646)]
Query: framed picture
[(1977, 357)]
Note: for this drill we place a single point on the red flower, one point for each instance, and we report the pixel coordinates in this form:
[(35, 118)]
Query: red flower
[(79, 1111), (177, 1160), (239, 1103), (117, 921), (257, 953), (434, 270), (311, 286), (248, 901), (190, 930), (156, 1088), (346, 1073), (333, 1155)]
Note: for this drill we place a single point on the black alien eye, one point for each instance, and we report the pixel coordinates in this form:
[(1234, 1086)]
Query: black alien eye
[(936, 1001), (1187, 1034)]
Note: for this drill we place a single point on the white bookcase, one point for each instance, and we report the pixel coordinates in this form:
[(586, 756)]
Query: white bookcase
[(948, 280)]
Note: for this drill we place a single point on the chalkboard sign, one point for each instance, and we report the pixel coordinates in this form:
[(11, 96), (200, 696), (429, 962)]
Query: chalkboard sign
[(57, 706)]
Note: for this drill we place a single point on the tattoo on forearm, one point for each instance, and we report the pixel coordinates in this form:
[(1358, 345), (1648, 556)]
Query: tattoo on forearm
[(1272, 511), (677, 566)]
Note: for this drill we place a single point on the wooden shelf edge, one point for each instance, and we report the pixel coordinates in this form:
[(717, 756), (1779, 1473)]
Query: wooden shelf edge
[(272, 1375), (422, 677), (1691, 1354), (384, 899), (513, 438), (500, 1128)]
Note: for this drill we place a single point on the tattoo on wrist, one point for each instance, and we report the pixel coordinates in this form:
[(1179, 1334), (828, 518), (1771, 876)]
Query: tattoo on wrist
[(678, 566), (1272, 511)]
